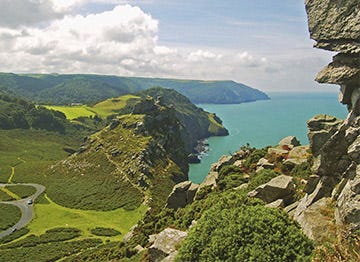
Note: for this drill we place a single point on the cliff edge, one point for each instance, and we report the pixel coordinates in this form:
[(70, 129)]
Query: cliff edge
[(335, 26)]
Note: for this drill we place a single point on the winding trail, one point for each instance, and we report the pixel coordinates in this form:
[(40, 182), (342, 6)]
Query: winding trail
[(27, 211)]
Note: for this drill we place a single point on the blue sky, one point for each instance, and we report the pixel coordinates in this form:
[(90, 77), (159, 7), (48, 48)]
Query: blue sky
[(264, 44)]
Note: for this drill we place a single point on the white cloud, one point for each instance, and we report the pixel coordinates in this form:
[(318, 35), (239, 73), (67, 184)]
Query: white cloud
[(124, 41)]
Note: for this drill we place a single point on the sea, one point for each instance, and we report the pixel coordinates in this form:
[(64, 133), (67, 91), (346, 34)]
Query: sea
[(264, 123)]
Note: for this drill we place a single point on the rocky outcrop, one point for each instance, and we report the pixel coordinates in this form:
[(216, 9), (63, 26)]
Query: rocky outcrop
[(335, 144), (289, 142), (280, 187), (165, 244), (182, 195)]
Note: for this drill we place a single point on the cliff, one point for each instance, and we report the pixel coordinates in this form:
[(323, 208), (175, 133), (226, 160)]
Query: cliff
[(335, 26)]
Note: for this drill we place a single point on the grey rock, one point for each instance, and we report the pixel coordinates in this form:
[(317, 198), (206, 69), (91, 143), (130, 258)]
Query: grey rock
[(290, 142), (277, 151), (321, 129), (276, 204), (313, 223), (348, 203), (334, 24), (291, 208), (263, 162), (210, 180), (182, 195), (165, 243), (280, 187), (224, 160)]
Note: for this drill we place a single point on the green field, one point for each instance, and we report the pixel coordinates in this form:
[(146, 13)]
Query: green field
[(73, 112), (52, 215), (103, 109)]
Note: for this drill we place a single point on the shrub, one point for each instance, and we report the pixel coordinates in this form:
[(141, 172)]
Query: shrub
[(245, 233), (103, 231)]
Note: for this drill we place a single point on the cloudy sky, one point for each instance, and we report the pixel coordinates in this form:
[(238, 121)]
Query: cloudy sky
[(264, 44)]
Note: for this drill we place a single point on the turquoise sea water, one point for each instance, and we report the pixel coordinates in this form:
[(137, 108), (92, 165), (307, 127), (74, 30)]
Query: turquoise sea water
[(264, 123)]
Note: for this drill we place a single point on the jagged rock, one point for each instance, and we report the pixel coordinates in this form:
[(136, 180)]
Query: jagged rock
[(182, 195), (263, 163), (239, 163), (312, 221), (280, 187), (298, 155), (334, 24), (210, 180), (311, 184), (348, 204), (290, 209), (289, 142), (224, 160), (321, 128), (166, 243), (354, 150), (323, 189), (276, 204), (277, 151)]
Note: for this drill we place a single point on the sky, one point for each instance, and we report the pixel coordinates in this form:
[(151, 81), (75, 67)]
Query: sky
[(263, 44)]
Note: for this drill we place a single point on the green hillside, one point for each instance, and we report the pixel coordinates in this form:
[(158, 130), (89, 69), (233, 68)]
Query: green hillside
[(66, 89)]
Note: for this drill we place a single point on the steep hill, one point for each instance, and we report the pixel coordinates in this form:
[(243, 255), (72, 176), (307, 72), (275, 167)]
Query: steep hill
[(140, 155), (66, 89)]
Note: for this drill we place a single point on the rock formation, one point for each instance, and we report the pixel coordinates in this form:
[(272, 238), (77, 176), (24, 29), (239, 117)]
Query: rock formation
[(182, 195), (281, 187), (335, 26)]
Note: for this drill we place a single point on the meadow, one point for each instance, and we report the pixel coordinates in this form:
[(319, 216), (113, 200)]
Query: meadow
[(102, 109)]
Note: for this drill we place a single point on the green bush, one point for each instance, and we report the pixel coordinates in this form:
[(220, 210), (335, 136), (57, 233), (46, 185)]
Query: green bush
[(230, 177), (302, 171), (245, 233), (15, 235), (51, 235), (254, 157), (103, 231)]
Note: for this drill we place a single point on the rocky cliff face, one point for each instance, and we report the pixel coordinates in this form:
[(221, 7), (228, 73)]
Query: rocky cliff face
[(335, 26)]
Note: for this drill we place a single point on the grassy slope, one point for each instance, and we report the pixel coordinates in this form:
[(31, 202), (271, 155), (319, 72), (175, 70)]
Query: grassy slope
[(73, 112), (52, 215), (102, 109), (30, 152)]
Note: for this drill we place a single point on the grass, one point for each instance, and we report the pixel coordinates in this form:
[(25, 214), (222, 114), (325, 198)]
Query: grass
[(52, 215), (214, 127), (103, 109), (29, 152), (9, 216), (4, 196), (9, 193), (112, 105), (72, 112)]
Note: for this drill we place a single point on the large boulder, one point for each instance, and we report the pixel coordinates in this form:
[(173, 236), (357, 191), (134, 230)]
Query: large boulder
[(280, 187), (312, 221), (182, 195), (165, 244), (289, 142), (321, 129)]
